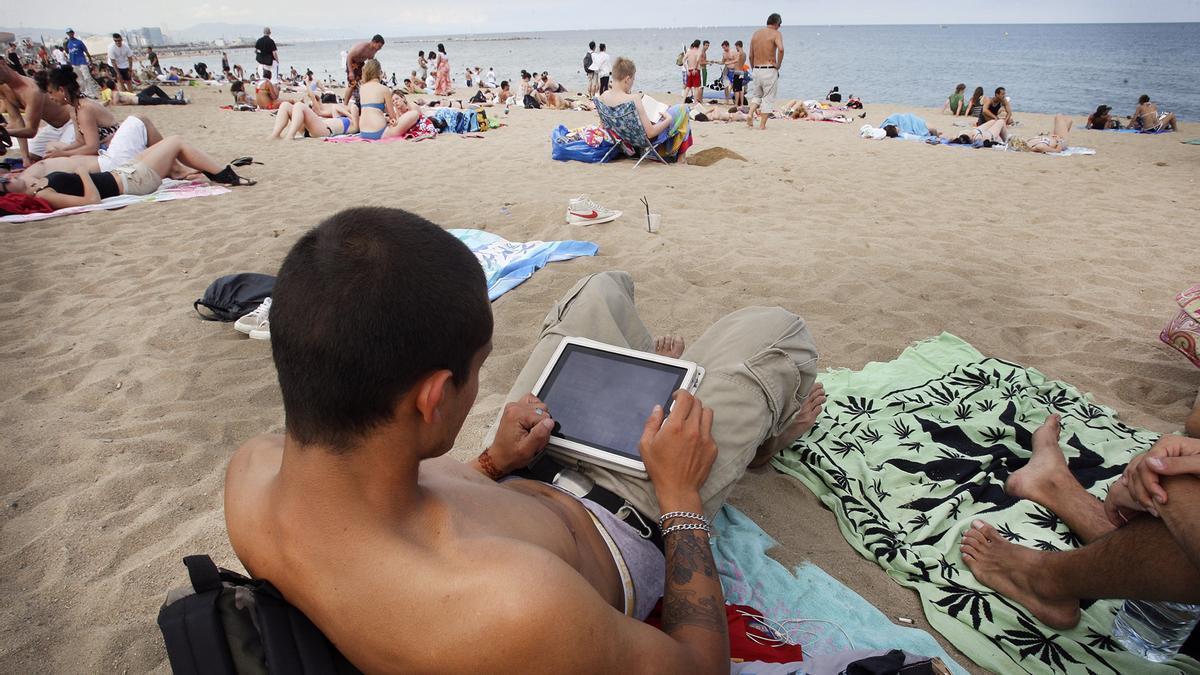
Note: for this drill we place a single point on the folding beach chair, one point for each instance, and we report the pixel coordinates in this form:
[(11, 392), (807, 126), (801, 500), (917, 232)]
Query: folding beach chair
[(624, 123)]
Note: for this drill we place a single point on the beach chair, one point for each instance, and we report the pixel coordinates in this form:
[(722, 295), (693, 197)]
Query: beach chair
[(624, 123)]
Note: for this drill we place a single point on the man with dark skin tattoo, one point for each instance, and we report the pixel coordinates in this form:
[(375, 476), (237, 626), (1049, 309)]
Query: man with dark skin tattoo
[(412, 561)]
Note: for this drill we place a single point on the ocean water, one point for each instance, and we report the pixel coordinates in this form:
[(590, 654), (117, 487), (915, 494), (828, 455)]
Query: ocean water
[(1047, 68)]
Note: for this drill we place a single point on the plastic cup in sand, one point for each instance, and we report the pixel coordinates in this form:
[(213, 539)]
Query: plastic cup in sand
[(652, 222)]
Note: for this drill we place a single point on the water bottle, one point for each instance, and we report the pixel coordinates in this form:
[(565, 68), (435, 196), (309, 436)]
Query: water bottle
[(1155, 630)]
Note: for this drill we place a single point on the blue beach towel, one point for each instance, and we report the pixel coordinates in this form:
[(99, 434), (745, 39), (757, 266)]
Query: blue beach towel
[(508, 264), (751, 577), (910, 126), (1132, 131)]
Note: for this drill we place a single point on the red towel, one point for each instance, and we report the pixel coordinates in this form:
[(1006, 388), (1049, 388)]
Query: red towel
[(20, 204), (742, 648)]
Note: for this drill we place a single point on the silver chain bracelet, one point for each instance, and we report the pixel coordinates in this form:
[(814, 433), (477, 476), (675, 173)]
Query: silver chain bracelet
[(690, 515), (686, 526)]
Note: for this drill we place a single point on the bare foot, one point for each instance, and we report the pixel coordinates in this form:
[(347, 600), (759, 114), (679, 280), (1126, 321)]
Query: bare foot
[(1041, 478), (1011, 570), (803, 420), (670, 346)]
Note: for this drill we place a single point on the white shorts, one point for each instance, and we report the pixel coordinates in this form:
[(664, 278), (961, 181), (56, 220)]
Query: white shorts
[(49, 134), (125, 145), (763, 88)]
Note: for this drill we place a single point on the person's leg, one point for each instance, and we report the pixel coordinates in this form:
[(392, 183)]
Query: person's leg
[(314, 124), (1143, 560), (283, 118), (162, 155), (403, 124), (1062, 126), (1046, 480)]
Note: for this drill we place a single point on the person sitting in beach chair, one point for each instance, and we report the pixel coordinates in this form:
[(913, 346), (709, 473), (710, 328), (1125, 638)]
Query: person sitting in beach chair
[(1142, 542), (401, 555), (667, 137), (1147, 119)]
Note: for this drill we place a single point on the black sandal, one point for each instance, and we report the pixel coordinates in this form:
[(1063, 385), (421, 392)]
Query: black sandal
[(243, 161), (227, 176)]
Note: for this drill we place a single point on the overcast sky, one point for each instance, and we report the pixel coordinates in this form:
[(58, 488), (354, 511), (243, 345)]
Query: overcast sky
[(479, 16)]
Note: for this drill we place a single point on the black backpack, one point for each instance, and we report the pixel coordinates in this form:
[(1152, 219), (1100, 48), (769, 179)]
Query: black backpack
[(587, 62), (228, 624), (231, 297)]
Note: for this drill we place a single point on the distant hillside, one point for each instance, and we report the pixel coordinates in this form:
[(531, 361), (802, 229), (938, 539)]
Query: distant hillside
[(205, 32)]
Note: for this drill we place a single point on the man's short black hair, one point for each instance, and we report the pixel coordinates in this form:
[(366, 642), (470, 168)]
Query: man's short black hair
[(365, 305), (592, 46), (1144, 98), (116, 36), (998, 90), (774, 19), (738, 43), (724, 43), (707, 42), (891, 130), (377, 38)]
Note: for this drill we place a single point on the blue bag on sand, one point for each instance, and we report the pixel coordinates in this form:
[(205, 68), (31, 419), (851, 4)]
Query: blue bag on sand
[(564, 149)]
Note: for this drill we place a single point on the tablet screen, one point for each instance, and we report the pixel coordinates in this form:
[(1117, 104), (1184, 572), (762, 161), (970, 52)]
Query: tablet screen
[(602, 399)]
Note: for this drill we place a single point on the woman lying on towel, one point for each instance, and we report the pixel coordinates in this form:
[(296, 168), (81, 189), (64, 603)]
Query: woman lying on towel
[(63, 189), (620, 99), (293, 118), (1055, 141), (378, 117), (994, 132), (799, 110)]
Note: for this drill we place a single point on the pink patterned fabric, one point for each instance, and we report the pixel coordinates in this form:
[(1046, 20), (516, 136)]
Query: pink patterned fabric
[(1183, 333)]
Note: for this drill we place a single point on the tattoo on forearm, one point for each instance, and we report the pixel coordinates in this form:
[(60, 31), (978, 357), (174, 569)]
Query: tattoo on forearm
[(688, 554)]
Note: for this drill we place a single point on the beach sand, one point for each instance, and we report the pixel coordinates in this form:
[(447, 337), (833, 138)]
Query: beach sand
[(121, 407)]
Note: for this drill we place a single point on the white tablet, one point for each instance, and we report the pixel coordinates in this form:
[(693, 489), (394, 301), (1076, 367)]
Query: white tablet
[(600, 396)]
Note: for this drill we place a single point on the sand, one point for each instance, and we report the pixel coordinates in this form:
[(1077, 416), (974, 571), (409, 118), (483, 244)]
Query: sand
[(121, 407)]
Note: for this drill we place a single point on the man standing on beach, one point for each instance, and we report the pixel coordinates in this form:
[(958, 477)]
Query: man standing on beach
[(739, 74), (704, 67), (589, 69), (266, 54), (79, 57), (603, 68), (152, 57), (358, 55), (691, 67), (120, 59), (766, 57)]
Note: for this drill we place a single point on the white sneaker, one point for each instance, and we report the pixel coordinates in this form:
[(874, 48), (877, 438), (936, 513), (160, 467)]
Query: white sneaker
[(583, 211), (254, 320), (263, 332)]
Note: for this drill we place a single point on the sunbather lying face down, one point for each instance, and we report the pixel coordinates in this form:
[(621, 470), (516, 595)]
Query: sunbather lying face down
[(409, 560)]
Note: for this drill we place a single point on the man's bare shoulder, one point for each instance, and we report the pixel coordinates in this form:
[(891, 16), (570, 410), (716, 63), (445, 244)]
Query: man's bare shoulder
[(258, 453)]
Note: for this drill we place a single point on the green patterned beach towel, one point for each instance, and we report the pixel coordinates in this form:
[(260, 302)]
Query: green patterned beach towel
[(909, 452)]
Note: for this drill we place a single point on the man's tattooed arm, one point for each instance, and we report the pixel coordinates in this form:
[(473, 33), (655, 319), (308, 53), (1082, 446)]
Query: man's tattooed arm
[(693, 604)]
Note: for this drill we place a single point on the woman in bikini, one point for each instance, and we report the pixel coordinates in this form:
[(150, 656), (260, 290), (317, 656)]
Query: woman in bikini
[(94, 123), (1055, 141), (293, 118), (144, 175), (266, 95), (377, 117), (985, 135), (975, 107), (1147, 118)]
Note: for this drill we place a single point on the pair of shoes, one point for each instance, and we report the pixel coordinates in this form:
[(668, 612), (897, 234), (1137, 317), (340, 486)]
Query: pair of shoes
[(583, 211), (256, 324)]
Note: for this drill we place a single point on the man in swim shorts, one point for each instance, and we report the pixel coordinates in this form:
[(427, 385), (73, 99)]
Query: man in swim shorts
[(766, 58), (402, 556)]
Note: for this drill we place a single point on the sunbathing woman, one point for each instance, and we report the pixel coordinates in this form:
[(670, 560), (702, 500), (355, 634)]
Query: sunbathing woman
[(985, 135), (62, 189), (1056, 141), (294, 117), (1147, 118), (797, 110), (714, 114)]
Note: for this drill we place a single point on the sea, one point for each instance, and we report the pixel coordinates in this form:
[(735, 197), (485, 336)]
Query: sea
[(1046, 68)]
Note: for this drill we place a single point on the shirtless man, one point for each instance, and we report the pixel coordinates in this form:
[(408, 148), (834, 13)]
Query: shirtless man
[(739, 74), (1142, 542), (409, 560), (355, 59), (766, 58), (1147, 118), (691, 64), (996, 108), (29, 107)]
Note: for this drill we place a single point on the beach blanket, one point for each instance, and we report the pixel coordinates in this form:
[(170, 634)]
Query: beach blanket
[(836, 618), (908, 453), (1191, 141), (170, 190), (508, 264), (1132, 131), (1071, 152)]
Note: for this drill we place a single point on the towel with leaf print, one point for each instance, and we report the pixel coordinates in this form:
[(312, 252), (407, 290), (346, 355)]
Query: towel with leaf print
[(908, 453)]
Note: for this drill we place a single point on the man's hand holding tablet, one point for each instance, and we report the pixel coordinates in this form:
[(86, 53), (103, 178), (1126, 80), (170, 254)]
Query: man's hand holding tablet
[(679, 452), (523, 432)]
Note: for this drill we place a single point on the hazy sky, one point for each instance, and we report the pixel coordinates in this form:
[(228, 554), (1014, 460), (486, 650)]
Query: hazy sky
[(478, 16)]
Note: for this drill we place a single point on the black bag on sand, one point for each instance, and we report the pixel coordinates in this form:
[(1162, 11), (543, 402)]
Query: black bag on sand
[(228, 624), (231, 297)]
